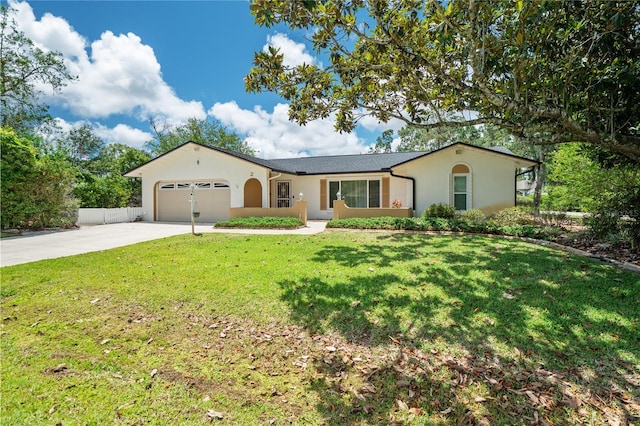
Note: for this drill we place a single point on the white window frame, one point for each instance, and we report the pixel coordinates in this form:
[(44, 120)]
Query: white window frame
[(468, 197), (368, 181)]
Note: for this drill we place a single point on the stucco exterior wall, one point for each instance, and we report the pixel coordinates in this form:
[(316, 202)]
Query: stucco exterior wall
[(190, 163), (492, 178)]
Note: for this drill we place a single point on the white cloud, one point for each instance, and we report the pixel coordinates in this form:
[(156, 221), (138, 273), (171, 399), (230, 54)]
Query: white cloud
[(372, 124), (294, 53), (123, 134), (272, 135), (121, 75)]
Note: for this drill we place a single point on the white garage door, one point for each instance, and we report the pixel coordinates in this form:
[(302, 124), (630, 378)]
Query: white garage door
[(212, 200)]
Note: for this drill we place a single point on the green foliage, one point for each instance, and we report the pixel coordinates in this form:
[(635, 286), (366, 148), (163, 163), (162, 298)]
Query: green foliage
[(524, 201), (262, 223), (574, 180), (611, 194), (80, 145), (205, 132), (35, 188), (550, 72), (106, 192), (441, 224), (25, 71), (439, 210), (617, 214), (416, 138), (474, 216), (512, 216), (100, 167), (383, 143)]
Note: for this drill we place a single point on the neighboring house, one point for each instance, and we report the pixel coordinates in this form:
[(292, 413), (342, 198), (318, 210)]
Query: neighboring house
[(462, 175), (526, 187)]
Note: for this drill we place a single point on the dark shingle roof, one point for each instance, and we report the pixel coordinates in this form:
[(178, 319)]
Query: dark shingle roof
[(359, 163)]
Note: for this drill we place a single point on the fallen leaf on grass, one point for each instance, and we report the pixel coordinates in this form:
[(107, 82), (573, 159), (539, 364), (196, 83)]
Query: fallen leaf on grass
[(415, 411), (212, 414), (127, 405), (508, 296), (355, 303), (154, 372), (403, 405), (59, 368), (570, 400), (105, 341)]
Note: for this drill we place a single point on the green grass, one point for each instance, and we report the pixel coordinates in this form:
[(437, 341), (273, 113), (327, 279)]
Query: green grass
[(338, 328)]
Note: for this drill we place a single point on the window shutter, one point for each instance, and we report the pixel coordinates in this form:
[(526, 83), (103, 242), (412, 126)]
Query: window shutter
[(323, 194), (385, 192)]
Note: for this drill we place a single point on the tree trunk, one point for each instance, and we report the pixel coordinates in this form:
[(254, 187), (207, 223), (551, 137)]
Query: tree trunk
[(540, 178)]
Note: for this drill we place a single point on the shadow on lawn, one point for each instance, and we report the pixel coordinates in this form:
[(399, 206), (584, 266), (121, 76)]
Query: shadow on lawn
[(515, 309)]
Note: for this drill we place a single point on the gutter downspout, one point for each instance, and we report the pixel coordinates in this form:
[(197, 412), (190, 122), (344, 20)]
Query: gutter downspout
[(269, 189), (515, 195), (413, 186)]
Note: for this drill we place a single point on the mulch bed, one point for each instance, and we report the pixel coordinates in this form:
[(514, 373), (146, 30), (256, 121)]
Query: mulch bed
[(619, 251)]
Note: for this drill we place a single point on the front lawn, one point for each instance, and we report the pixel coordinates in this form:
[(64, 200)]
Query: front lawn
[(340, 328)]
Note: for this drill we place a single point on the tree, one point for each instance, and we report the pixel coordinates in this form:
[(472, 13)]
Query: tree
[(80, 145), (383, 143), (35, 188), (206, 132), (608, 193), (547, 71), (24, 70), (110, 164)]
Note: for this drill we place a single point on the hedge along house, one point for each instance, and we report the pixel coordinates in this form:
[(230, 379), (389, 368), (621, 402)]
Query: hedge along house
[(227, 182)]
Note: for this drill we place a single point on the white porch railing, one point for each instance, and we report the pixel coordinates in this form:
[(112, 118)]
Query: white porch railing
[(88, 216)]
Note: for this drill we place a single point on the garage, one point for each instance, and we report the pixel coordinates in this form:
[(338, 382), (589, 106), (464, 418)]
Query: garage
[(212, 201)]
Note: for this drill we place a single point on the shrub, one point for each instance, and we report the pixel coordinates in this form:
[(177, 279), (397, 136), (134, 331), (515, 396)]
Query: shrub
[(510, 217), (440, 210), (262, 223), (474, 216), (524, 201)]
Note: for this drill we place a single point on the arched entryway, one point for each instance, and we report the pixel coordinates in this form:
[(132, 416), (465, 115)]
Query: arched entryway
[(253, 193)]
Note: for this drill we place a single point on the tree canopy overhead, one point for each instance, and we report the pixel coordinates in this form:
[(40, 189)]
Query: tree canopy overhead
[(24, 72), (547, 71)]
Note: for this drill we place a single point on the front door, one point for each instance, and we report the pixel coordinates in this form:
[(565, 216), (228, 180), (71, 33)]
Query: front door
[(283, 190)]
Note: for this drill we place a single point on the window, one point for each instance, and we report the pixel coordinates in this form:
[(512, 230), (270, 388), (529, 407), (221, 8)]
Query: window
[(168, 186), (356, 193), (460, 192), (203, 185), (183, 185)]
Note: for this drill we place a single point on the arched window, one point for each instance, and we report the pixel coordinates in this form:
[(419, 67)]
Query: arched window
[(461, 187)]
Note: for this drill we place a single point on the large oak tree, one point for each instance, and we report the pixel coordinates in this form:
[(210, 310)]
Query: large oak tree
[(548, 71)]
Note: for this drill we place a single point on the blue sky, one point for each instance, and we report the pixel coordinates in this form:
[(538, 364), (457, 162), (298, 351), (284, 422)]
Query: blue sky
[(172, 60)]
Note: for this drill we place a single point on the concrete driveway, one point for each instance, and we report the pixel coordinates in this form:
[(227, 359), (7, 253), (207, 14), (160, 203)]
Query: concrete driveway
[(35, 246)]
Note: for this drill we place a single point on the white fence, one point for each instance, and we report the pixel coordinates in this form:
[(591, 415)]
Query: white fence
[(102, 216)]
